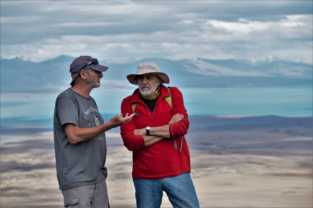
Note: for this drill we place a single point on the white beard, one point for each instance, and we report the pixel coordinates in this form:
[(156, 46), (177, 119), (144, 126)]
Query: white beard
[(147, 92)]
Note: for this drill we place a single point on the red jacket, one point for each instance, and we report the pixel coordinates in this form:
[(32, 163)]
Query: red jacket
[(168, 157)]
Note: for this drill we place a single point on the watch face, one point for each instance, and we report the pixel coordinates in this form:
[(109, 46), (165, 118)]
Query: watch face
[(148, 130)]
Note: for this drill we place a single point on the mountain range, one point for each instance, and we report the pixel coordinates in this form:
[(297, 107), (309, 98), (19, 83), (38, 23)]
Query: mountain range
[(21, 75)]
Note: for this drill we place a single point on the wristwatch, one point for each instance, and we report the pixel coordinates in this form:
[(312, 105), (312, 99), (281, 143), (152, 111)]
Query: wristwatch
[(148, 130)]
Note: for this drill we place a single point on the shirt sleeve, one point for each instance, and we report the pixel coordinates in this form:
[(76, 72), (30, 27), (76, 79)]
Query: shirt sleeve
[(67, 110), (131, 141), (179, 128)]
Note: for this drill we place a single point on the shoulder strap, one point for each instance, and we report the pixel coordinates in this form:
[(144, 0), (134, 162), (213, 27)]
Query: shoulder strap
[(134, 105), (169, 98)]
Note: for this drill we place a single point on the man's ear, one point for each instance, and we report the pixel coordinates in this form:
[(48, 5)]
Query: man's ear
[(83, 74)]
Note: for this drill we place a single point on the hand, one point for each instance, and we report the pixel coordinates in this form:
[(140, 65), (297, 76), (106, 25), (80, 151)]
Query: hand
[(177, 117), (119, 119), (140, 132)]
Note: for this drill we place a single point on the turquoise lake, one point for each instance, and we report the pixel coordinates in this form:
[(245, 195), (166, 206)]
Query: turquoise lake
[(256, 101)]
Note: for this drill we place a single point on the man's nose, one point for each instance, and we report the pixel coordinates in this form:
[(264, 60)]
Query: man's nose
[(144, 79)]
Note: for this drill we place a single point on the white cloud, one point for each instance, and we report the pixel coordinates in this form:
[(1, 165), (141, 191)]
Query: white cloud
[(128, 30), (241, 26), (106, 9), (84, 24), (292, 23), (205, 68)]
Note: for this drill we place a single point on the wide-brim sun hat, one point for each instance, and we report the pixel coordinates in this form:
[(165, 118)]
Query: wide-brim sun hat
[(148, 68)]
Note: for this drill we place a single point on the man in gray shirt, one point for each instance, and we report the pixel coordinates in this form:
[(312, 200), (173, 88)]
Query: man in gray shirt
[(79, 138)]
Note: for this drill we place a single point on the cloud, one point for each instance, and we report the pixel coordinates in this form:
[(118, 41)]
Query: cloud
[(296, 24), (120, 31), (243, 26)]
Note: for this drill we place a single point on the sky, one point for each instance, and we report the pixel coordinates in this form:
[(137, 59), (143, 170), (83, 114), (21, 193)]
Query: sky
[(120, 31)]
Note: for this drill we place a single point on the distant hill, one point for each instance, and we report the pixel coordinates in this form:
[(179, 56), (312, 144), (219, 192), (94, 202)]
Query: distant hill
[(21, 75)]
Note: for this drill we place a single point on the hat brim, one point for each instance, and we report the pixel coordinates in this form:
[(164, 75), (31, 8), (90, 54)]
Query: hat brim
[(132, 78), (98, 67)]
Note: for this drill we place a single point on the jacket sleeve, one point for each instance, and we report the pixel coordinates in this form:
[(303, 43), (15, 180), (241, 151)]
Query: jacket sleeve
[(131, 141), (179, 128)]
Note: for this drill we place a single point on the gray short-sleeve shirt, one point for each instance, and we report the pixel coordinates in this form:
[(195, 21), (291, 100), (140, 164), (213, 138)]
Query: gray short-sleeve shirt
[(82, 163)]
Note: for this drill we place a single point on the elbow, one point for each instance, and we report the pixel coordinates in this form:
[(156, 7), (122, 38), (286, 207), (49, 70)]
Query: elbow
[(71, 134), (185, 128), (130, 147), (73, 139), (181, 132), (128, 144), (179, 129), (133, 144)]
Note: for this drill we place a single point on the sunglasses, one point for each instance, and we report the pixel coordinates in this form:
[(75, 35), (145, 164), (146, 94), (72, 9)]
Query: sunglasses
[(91, 62), (98, 73)]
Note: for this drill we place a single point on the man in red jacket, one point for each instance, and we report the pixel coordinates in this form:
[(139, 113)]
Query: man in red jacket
[(156, 136)]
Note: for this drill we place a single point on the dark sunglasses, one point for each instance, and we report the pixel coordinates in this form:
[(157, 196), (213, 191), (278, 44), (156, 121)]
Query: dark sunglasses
[(98, 73), (91, 62)]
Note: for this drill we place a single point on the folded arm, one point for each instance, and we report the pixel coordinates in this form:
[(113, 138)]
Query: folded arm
[(160, 131), (179, 123), (135, 139)]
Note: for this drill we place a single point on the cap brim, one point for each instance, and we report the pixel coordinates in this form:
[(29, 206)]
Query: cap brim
[(132, 78), (98, 67)]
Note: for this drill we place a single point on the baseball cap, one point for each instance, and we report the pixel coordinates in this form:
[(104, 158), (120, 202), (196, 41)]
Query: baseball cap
[(82, 62)]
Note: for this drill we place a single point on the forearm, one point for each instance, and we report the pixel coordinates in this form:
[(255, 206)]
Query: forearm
[(160, 131), (149, 140), (166, 131), (76, 134)]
